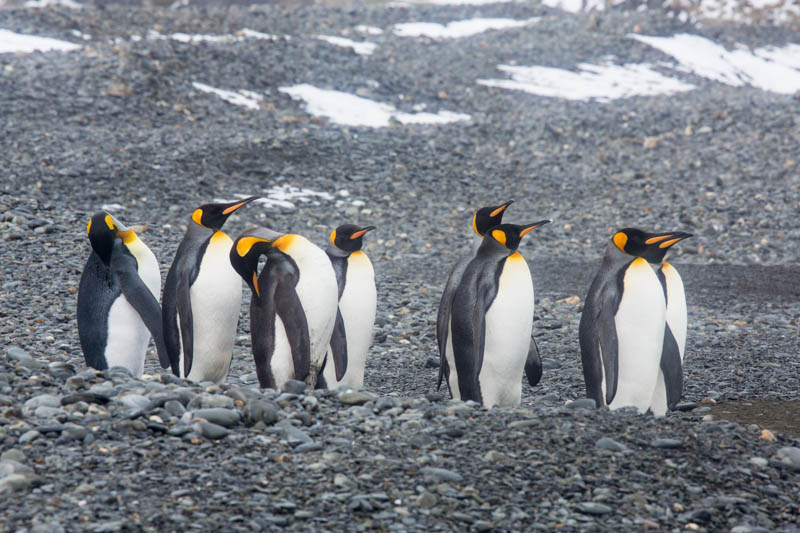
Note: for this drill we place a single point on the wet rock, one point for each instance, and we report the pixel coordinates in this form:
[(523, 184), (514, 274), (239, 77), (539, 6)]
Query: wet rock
[(352, 397), (667, 443), (582, 403), (210, 431), (606, 443), (440, 474), (261, 411), (219, 416)]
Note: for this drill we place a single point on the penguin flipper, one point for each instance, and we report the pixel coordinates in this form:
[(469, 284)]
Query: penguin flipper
[(443, 318), (169, 321), (338, 346), (290, 309), (96, 291), (599, 344), (262, 319), (671, 367), (125, 268), (533, 365), (186, 325)]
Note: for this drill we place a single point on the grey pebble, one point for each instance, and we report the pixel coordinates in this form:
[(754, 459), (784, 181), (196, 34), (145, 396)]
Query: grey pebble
[(440, 474), (210, 430), (19, 482), (594, 508), (582, 403), (294, 386), (607, 443), (261, 411), (353, 397), (219, 416), (790, 456)]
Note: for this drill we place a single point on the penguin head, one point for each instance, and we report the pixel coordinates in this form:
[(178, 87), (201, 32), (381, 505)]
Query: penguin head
[(650, 246), (213, 216), (349, 237), (103, 229), (510, 235), (488, 217), (245, 252)]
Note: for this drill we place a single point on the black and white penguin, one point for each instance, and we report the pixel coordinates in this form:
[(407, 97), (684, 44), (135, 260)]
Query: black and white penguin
[(352, 333), (293, 306), (202, 296), (491, 320), (483, 220), (623, 322), (669, 385), (118, 307)]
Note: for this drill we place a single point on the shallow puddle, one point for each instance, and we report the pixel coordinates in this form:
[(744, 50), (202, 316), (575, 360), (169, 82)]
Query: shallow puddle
[(777, 416)]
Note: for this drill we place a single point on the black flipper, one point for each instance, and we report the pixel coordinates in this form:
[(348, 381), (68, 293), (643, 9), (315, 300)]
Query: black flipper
[(96, 292), (186, 324), (672, 369), (290, 309), (169, 319), (262, 329), (125, 268), (443, 317), (338, 347), (533, 365)]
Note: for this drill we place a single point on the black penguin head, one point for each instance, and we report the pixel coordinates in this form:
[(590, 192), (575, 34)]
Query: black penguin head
[(488, 217), (349, 237), (103, 229), (650, 246), (510, 235), (213, 216), (244, 256)]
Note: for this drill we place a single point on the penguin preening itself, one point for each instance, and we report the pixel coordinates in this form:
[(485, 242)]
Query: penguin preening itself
[(669, 385), (118, 307), (352, 332), (623, 323), (491, 320), (483, 220), (202, 296), (293, 304)]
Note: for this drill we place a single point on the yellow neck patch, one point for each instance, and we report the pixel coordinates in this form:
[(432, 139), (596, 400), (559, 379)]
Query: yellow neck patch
[(89, 227), (284, 242), (246, 243), (499, 235), (128, 236), (110, 223), (620, 239), (197, 216), (516, 256)]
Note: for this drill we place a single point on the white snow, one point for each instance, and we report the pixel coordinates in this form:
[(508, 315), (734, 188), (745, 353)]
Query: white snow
[(770, 68), (599, 82), (407, 3), (459, 28), (248, 99), (196, 38), (11, 42), (368, 30), (286, 196), (575, 6), (363, 48), (351, 110), (774, 11), (48, 3)]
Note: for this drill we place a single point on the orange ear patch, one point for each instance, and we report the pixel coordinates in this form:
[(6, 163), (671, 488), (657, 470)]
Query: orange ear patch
[(620, 239), (246, 243), (197, 216), (499, 235)]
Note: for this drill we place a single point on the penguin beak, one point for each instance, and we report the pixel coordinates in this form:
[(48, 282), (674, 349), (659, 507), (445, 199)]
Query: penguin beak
[(236, 205), (665, 240), (531, 227), (361, 232), (500, 209)]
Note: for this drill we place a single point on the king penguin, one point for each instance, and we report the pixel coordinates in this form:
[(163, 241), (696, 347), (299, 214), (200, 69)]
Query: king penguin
[(293, 304), (669, 385), (623, 323), (202, 296), (491, 320), (483, 220), (118, 308), (352, 332)]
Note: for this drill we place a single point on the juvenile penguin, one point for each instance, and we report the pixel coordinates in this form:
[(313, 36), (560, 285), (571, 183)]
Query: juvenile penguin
[(622, 325), (293, 306), (202, 295), (352, 332), (491, 320), (483, 220), (118, 308), (669, 385)]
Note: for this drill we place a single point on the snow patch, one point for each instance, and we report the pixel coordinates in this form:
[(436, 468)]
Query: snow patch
[(591, 82), (11, 42), (769, 68), (368, 30), (448, 2), (576, 6), (50, 3), (248, 99), (351, 110), (286, 197), (459, 28), (363, 48)]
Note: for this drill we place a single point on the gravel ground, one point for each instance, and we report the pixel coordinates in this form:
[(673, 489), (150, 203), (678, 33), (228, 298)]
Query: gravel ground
[(119, 122)]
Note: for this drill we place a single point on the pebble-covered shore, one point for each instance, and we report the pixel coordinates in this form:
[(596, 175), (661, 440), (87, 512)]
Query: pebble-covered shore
[(121, 123)]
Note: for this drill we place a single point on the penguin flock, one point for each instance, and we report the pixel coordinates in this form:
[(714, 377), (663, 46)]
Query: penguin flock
[(312, 311)]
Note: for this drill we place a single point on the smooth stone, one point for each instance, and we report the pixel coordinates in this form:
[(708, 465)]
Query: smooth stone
[(594, 508), (10, 466), (667, 443), (308, 447), (261, 411), (294, 386), (13, 455), (606, 443), (135, 401), (210, 430), (242, 394), (353, 397), (88, 397), (73, 432), (205, 400), (174, 407), (341, 480), (440, 474), (295, 437), (427, 500), (15, 353), (759, 461), (744, 528), (582, 403), (43, 400), (19, 482), (432, 362), (686, 406), (789, 456), (493, 456), (29, 436), (48, 412), (219, 416)]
